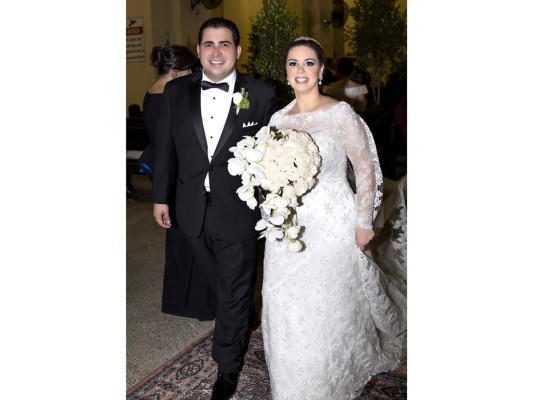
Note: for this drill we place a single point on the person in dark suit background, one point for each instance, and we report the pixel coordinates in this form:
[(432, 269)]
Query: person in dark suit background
[(170, 62), (200, 120)]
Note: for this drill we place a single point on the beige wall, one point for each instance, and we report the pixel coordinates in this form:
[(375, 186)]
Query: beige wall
[(182, 25), (139, 75)]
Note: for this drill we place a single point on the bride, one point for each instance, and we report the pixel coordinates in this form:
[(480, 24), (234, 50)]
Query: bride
[(331, 319)]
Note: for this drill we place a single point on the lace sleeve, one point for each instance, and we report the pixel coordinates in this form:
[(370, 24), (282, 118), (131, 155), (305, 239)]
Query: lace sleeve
[(361, 150)]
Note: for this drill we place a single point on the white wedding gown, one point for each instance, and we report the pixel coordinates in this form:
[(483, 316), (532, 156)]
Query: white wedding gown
[(331, 318)]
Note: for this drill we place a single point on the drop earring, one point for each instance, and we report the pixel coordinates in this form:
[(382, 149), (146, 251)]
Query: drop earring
[(320, 80), (288, 82)]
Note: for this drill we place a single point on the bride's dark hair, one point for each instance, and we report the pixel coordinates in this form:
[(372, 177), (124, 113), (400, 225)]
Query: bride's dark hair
[(309, 42)]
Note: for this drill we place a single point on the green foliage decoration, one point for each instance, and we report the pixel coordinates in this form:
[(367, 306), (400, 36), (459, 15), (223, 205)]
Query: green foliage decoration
[(378, 39), (273, 28)]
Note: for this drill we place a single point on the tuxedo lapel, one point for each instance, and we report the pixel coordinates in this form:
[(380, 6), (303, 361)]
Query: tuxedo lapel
[(195, 108), (232, 116)]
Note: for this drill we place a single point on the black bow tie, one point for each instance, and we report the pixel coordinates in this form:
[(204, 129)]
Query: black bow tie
[(210, 85)]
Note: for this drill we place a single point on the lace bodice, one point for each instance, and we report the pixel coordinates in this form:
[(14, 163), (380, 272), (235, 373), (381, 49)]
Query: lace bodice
[(340, 132)]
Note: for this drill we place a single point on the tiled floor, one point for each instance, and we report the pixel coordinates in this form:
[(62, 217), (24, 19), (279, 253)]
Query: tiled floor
[(152, 337)]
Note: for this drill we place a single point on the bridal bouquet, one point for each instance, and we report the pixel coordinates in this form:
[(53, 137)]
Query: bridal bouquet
[(283, 163)]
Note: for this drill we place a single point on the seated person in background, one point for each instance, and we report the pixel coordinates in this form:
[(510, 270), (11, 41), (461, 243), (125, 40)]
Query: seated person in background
[(134, 111), (345, 89)]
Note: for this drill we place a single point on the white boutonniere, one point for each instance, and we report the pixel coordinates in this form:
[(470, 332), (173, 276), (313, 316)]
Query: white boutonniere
[(240, 100)]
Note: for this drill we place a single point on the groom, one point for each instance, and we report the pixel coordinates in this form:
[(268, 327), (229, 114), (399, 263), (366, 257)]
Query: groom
[(199, 122)]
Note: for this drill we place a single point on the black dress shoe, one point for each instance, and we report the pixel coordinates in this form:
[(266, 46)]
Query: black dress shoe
[(225, 386)]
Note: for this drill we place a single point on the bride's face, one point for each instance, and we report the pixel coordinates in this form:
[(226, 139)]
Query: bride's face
[(303, 69)]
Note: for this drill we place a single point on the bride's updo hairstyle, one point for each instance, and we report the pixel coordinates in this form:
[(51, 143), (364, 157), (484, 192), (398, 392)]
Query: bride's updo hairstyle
[(172, 57), (309, 42)]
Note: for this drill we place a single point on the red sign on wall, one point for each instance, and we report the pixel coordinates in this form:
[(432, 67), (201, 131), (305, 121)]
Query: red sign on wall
[(134, 39)]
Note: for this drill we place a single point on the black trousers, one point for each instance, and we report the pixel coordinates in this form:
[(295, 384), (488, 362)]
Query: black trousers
[(186, 292), (230, 269)]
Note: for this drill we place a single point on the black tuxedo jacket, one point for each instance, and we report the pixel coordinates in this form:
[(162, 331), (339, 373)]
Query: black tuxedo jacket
[(182, 161)]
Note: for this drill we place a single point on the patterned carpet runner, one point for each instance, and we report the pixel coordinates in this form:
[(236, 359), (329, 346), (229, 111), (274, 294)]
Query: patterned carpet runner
[(191, 374)]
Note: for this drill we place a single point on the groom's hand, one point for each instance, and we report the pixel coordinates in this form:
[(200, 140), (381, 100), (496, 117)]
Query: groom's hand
[(161, 215)]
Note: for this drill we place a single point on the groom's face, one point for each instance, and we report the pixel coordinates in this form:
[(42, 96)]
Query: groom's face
[(217, 53)]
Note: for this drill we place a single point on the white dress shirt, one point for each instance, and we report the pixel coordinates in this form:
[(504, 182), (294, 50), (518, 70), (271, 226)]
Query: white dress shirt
[(215, 104)]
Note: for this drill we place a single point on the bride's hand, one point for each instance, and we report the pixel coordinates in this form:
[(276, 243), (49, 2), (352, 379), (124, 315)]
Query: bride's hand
[(362, 237)]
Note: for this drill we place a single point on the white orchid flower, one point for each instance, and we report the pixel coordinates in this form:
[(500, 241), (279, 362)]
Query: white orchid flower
[(245, 192), (280, 202), (274, 234), (261, 224), (248, 141), (251, 203), (262, 136), (293, 231), (277, 220), (256, 170), (236, 166), (294, 246), (251, 155)]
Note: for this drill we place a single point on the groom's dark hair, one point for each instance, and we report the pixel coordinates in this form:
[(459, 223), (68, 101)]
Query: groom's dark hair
[(219, 22)]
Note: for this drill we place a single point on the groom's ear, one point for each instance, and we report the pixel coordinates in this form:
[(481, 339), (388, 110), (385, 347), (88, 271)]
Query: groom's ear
[(239, 50)]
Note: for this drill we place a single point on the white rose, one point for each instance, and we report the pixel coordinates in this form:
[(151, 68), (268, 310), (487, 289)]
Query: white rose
[(303, 160), (280, 181), (300, 187), (237, 98), (285, 164), (293, 174), (289, 192)]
